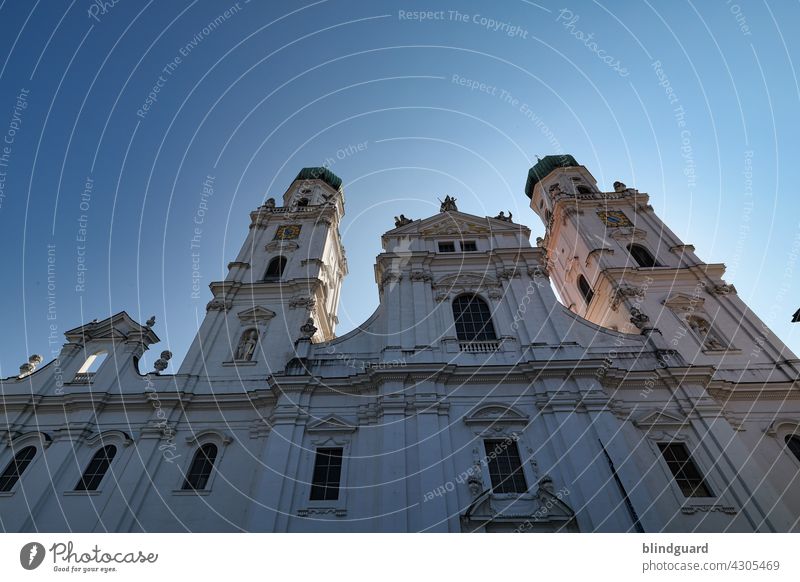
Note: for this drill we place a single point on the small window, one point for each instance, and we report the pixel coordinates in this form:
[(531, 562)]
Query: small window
[(473, 319), (92, 363), (96, 469), (584, 190), (585, 289), (686, 473), (275, 269), (447, 247), (642, 256), (15, 468), (302, 203), (505, 467), (793, 444), (327, 474), (468, 246), (200, 469)]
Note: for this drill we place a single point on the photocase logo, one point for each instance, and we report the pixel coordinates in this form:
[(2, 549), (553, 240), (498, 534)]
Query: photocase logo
[(31, 555)]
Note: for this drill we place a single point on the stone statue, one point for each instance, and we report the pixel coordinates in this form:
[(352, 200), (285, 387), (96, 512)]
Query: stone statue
[(502, 216), (448, 205), (619, 187), (639, 319), (401, 221), (161, 363), (151, 322), (270, 203), (247, 345), (555, 189), (703, 330)]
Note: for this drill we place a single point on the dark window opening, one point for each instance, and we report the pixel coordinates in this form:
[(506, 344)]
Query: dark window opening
[(505, 467), (469, 246), (200, 469), (473, 319), (642, 256), (302, 203), (585, 289), (584, 190), (793, 444), (97, 468), (16, 467), (275, 269), (683, 468), (327, 474), (447, 247)]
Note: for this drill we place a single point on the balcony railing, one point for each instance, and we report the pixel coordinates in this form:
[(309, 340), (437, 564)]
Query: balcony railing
[(83, 378), (484, 347)]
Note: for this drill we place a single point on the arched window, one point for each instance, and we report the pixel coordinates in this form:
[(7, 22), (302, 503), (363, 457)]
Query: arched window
[(275, 269), (793, 444), (15, 468), (97, 468), (200, 469), (641, 255), (585, 289), (473, 319)]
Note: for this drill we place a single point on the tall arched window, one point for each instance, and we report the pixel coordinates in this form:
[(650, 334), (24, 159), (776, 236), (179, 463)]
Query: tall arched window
[(275, 269), (793, 444), (96, 469), (473, 319), (641, 255), (585, 289), (15, 468), (201, 467)]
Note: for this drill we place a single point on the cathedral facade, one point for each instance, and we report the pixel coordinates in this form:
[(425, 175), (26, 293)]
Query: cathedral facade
[(650, 398)]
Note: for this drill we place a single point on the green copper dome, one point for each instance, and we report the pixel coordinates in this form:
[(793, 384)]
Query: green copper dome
[(544, 166), (320, 173)]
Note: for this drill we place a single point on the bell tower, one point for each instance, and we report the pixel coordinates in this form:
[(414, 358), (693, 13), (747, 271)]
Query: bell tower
[(615, 263), (283, 285)]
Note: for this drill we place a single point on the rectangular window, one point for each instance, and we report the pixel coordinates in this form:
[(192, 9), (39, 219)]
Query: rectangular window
[(505, 467), (327, 474), (468, 246), (686, 473), (447, 247)]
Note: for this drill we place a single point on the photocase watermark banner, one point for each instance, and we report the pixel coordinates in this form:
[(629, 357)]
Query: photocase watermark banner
[(217, 557)]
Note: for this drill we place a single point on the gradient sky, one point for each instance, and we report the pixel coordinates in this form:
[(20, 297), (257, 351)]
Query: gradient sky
[(276, 86)]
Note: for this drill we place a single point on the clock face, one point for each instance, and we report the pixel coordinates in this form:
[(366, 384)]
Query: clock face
[(287, 232), (614, 218)]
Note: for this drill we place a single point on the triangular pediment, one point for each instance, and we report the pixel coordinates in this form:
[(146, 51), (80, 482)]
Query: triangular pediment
[(120, 326), (255, 314), (456, 224), (661, 419), (331, 423)]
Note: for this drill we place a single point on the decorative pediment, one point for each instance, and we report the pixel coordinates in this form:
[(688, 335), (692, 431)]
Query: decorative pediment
[(456, 224), (255, 314), (684, 302), (118, 327), (660, 419), (496, 414), (109, 437), (209, 434), (331, 424)]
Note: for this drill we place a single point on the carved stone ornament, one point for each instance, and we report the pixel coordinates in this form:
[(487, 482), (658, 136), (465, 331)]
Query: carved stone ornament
[(495, 294), (441, 296), (639, 319), (506, 274), (217, 304), (619, 187), (621, 293), (389, 278), (420, 276), (161, 363), (722, 289), (302, 302), (308, 329), (29, 367), (554, 189), (282, 246), (628, 235)]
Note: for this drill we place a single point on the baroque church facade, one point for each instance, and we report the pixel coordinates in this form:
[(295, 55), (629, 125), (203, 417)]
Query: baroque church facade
[(650, 398)]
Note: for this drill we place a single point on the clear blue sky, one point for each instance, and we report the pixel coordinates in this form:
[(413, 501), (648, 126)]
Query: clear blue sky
[(275, 86)]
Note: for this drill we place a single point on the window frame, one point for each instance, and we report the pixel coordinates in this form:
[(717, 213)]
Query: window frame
[(203, 437), (587, 297), (80, 486), (646, 251), (474, 244), (15, 463), (279, 260), (326, 487), (488, 326), (448, 243), (519, 471), (673, 478)]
